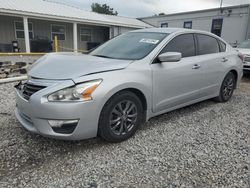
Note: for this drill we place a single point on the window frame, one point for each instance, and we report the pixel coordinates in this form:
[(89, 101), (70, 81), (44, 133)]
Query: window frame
[(164, 23), (195, 48), (155, 59), (32, 31), (85, 34), (187, 22), (58, 32), (220, 43), (197, 43)]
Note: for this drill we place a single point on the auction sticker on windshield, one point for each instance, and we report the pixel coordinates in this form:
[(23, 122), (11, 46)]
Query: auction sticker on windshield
[(149, 41)]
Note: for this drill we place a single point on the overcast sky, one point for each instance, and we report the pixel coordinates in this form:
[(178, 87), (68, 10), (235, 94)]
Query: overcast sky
[(142, 8)]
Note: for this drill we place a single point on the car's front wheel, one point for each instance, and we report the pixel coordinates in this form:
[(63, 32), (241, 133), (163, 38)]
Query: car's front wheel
[(120, 117), (227, 88)]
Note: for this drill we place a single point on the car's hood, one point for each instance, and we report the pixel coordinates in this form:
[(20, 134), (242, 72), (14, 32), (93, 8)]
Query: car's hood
[(244, 51), (73, 65)]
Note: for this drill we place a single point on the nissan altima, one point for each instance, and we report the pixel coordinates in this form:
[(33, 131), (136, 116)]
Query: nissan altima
[(126, 81)]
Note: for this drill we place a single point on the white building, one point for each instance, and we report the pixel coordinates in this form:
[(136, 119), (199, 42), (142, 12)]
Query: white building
[(31, 22), (231, 23)]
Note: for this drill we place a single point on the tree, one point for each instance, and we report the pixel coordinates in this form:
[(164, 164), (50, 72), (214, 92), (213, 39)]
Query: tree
[(162, 14), (103, 9)]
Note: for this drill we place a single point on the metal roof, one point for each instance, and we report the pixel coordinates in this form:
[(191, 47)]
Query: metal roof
[(52, 10), (198, 11)]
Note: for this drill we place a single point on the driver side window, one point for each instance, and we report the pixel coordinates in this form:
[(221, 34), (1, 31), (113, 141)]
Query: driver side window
[(185, 44)]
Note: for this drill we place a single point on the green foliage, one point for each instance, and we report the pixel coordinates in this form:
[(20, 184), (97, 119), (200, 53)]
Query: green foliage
[(103, 9)]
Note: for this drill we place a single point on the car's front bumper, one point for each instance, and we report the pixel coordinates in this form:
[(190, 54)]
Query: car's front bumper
[(246, 67), (33, 114)]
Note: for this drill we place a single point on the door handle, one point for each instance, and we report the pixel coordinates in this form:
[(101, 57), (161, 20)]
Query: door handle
[(196, 66), (224, 59)]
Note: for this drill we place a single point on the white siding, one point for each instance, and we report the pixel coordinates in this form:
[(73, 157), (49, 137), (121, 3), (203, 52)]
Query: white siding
[(234, 26), (126, 29)]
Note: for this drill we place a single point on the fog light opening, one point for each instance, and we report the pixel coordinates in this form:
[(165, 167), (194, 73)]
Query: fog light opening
[(63, 126), (60, 123)]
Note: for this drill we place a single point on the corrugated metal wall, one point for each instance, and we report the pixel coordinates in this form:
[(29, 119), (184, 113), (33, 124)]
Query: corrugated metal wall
[(42, 28)]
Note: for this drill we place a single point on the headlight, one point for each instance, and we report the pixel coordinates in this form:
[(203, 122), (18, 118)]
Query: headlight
[(80, 92)]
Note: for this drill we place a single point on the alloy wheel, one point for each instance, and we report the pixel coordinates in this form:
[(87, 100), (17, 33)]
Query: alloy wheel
[(228, 87), (123, 117)]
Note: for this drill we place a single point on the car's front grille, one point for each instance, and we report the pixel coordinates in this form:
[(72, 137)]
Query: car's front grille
[(246, 66), (30, 89), (247, 58)]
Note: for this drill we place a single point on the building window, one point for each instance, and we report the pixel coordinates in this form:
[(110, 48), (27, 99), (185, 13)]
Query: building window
[(85, 35), (59, 31), (164, 25), (217, 27), (19, 30), (188, 25)]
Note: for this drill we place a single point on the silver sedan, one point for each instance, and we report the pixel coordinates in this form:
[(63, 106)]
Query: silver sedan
[(114, 89)]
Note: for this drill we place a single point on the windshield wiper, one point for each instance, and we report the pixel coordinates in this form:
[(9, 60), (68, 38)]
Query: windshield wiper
[(104, 56)]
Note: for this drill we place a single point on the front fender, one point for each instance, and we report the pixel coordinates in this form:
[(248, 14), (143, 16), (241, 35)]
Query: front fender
[(116, 81)]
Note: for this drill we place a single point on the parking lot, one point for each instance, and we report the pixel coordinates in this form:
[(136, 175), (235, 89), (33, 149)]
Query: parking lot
[(203, 145)]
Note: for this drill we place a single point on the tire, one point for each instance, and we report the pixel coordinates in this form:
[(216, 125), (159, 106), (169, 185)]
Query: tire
[(227, 88), (114, 124)]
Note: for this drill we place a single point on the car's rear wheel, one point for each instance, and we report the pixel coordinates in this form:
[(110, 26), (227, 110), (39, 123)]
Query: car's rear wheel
[(120, 117), (227, 88)]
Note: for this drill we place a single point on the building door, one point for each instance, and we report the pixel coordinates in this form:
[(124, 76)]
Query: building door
[(217, 27)]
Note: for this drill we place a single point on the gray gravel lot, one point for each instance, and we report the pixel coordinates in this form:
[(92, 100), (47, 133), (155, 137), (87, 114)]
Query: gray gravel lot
[(204, 145)]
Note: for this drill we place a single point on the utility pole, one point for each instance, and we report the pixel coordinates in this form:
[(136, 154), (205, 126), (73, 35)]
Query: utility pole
[(221, 3)]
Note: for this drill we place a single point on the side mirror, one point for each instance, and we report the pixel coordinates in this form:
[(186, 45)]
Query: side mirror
[(170, 57)]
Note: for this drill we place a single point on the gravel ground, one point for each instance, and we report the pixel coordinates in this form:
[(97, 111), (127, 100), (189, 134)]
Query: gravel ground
[(204, 145)]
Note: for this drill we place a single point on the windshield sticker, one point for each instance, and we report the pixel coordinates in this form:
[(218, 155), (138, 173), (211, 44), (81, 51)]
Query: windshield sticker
[(149, 41)]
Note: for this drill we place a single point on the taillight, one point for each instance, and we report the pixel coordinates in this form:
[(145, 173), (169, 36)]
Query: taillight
[(241, 56)]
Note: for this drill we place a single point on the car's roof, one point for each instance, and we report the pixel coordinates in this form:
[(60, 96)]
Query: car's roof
[(171, 30), (176, 31), (160, 30)]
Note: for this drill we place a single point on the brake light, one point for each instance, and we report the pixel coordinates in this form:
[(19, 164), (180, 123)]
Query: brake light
[(241, 56)]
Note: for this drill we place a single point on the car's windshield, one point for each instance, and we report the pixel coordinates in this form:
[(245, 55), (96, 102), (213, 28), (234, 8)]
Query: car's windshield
[(130, 46), (245, 44)]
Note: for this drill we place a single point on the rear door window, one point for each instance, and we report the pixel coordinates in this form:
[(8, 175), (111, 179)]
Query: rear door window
[(183, 43), (207, 44)]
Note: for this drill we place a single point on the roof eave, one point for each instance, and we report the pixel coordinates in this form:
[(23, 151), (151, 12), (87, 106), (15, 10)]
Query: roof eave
[(196, 11), (67, 19)]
